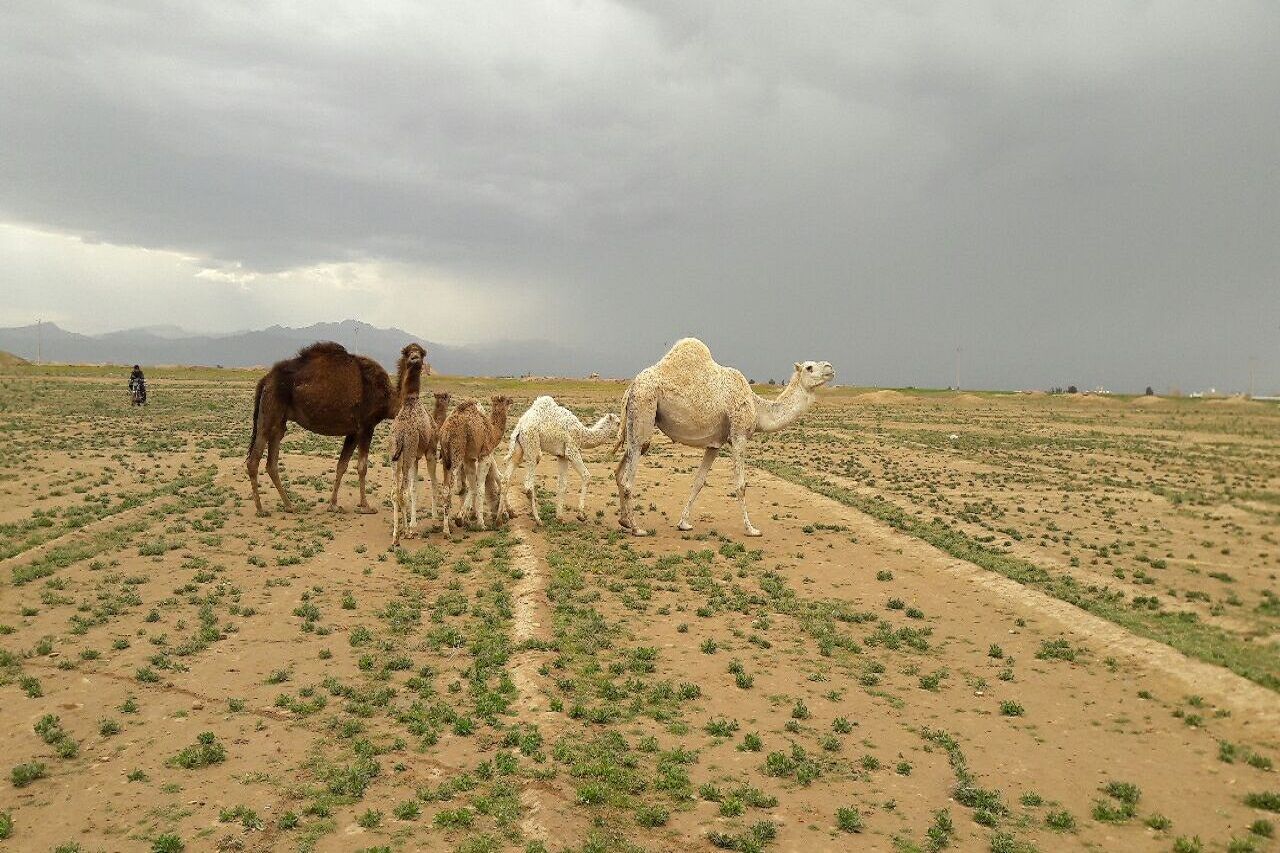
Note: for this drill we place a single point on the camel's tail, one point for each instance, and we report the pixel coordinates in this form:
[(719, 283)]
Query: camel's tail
[(622, 426), (257, 406), (513, 445)]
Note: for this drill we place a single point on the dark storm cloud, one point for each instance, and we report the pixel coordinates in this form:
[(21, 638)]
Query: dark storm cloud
[(1082, 193)]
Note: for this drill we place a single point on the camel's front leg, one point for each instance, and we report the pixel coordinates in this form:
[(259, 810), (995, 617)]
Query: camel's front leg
[(413, 501), (699, 479), (396, 496), (362, 468), (575, 457), (740, 480)]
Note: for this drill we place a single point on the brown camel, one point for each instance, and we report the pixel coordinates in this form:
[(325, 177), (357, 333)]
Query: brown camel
[(328, 391), (467, 441)]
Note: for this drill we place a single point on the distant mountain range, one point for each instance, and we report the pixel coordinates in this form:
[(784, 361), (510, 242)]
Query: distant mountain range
[(172, 345)]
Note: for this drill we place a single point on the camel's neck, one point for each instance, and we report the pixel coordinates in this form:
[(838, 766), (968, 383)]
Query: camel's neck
[(441, 409), (409, 380), (497, 426), (785, 409), (597, 434)]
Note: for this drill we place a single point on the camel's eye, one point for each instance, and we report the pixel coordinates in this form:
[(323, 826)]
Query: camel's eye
[(809, 367)]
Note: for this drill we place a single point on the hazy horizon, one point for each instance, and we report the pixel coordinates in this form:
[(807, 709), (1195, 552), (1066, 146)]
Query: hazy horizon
[(1078, 194)]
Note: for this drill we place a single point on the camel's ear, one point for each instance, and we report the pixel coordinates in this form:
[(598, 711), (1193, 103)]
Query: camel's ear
[(799, 365)]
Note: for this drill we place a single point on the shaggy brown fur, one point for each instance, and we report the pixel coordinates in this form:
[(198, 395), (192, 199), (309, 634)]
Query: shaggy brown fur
[(413, 434), (467, 441), (328, 391)]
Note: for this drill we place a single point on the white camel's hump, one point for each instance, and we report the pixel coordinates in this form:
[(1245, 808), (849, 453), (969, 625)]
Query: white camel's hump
[(687, 353)]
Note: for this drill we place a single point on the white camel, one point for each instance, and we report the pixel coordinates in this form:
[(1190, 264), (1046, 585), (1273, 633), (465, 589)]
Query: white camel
[(698, 403), (548, 427)]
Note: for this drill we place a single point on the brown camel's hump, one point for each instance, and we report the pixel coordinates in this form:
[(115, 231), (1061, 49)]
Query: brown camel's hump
[(320, 348)]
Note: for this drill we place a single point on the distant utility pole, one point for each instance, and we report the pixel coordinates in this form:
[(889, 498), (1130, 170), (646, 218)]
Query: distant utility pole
[(39, 340), (957, 368), (1253, 364)]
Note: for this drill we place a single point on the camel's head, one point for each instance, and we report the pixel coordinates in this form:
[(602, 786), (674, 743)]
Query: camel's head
[(441, 396), (413, 354), (814, 374), (501, 403), (612, 421)]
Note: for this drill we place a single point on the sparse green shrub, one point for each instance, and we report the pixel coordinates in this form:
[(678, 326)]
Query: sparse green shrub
[(23, 775), (1267, 800), (848, 819), (649, 815), (168, 843), (205, 751)]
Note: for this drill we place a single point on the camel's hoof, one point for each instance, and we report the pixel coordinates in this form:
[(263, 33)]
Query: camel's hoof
[(365, 509), (634, 531), (581, 516), (336, 508), (751, 531), (684, 525), (262, 513)]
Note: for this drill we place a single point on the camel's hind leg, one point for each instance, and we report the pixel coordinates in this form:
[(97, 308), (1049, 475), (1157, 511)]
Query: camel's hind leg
[(562, 482), (739, 448), (451, 473), (479, 475), (268, 433), (530, 459), (708, 459), (639, 414), (273, 470), (397, 501), (431, 475), (251, 462), (348, 447), (575, 458)]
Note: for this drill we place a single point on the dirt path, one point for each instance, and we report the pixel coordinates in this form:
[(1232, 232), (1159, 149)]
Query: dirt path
[(529, 615), (1227, 688)]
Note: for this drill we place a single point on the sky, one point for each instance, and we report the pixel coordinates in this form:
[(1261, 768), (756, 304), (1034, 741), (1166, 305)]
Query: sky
[(1043, 193)]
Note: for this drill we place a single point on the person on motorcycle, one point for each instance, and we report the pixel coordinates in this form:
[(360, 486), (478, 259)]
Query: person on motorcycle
[(138, 386)]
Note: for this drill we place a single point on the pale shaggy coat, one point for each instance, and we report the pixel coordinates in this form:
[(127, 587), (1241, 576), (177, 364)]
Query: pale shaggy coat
[(699, 403), (548, 427)]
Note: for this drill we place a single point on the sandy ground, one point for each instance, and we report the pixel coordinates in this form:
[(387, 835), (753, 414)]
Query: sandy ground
[(570, 687)]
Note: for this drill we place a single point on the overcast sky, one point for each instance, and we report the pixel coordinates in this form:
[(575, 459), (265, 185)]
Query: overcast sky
[(1080, 192)]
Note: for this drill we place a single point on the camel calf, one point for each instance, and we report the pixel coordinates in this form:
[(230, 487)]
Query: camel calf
[(467, 441)]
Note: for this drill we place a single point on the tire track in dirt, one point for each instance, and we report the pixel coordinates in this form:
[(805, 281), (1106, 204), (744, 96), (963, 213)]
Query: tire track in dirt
[(221, 477), (530, 615), (1047, 561), (1228, 689)]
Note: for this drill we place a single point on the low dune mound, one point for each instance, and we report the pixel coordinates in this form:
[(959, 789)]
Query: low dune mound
[(1090, 400), (1147, 402), (8, 359), (1239, 401), (967, 401), (885, 397)]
